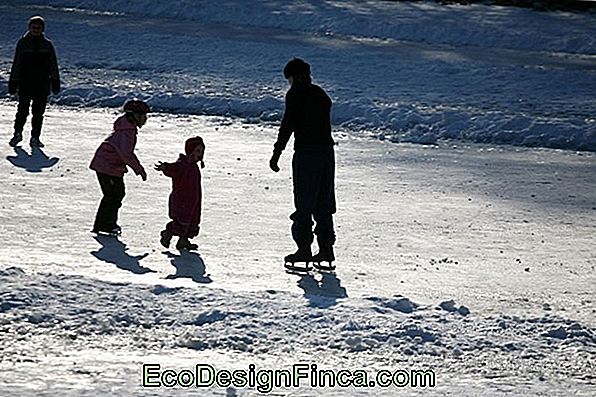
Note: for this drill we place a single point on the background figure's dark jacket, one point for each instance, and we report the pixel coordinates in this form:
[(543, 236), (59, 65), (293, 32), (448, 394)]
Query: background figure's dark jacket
[(35, 66), (308, 116)]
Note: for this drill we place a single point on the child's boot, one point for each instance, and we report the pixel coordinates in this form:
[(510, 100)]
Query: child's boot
[(185, 244), (166, 238)]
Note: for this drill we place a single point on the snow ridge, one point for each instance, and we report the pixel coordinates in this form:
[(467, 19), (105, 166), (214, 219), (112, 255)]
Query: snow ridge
[(276, 322)]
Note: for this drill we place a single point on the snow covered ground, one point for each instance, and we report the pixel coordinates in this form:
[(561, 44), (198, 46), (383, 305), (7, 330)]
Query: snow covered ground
[(475, 261)]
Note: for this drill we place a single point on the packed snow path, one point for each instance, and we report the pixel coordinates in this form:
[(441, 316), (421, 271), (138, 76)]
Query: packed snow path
[(504, 233)]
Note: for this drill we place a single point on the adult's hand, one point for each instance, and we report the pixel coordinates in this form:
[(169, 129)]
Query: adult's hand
[(273, 162)]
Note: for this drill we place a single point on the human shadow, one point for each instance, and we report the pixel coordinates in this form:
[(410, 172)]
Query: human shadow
[(114, 251), (189, 265), (34, 162), (324, 293)]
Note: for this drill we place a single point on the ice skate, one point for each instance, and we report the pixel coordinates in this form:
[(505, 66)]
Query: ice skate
[(166, 238), (303, 255), (16, 138), (323, 260), (185, 245)]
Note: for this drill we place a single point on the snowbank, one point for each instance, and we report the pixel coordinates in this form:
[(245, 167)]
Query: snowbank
[(86, 312), (397, 71)]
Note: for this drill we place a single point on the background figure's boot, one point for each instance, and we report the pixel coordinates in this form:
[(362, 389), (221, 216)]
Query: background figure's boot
[(35, 142), (304, 254), (16, 138)]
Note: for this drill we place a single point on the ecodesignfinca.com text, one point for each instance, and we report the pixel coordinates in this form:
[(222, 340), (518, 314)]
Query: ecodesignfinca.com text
[(296, 376)]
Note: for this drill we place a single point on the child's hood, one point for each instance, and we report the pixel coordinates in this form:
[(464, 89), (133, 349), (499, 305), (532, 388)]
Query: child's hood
[(183, 158), (122, 123)]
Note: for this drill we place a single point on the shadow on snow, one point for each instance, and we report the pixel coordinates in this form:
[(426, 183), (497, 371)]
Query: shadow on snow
[(114, 251), (34, 162), (324, 293), (188, 265)]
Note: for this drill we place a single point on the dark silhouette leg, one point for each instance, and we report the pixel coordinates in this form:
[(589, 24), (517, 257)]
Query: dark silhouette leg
[(324, 210), (113, 191), (38, 109), (22, 113), (306, 178)]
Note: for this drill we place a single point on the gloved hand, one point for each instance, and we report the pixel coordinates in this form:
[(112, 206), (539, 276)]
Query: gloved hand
[(160, 166), (55, 86), (273, 162), (13, 87)]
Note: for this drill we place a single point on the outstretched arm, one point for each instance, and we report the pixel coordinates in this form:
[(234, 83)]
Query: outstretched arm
[(168, 169)]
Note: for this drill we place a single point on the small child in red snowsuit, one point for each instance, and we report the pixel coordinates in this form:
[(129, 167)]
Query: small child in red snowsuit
[(185, 199)]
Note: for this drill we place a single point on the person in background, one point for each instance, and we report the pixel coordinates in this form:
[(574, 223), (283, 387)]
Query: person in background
[(185, 200), (110, 162), (307, 114), (34, 72)]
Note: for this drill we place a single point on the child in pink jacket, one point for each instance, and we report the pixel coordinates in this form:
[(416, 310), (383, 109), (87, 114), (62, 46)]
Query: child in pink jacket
[(185, 199), (110, 162)]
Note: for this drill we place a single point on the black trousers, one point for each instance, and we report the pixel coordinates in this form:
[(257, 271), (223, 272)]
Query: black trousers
[(112, 188), (38, 108), (313, 174)]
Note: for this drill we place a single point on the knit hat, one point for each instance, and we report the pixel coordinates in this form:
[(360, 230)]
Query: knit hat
[(39, 20), (296, 67)]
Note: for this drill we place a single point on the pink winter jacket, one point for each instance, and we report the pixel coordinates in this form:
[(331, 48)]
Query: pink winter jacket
[(117, 151)]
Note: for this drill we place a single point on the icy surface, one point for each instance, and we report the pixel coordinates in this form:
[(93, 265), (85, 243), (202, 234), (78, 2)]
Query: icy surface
[(443, 264), (474, 260)]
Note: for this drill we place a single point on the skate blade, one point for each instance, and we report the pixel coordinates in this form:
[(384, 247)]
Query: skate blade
[(291, 267), (324, 268), (106, 234)]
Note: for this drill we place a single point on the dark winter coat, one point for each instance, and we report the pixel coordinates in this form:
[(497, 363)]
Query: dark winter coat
[(308, 115), (34, 68), (186, 196)]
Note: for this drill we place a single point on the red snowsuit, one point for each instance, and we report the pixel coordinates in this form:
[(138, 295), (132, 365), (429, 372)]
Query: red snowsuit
[(185, 199)]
